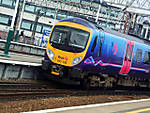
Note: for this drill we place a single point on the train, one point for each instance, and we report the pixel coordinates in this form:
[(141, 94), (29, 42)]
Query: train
[(94, 56)]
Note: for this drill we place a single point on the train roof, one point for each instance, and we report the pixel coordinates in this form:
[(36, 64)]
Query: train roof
[(79, 21), (129, 37), (107, 30)]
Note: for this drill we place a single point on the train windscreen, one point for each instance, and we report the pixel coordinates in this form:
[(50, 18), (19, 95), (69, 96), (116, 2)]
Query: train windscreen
[(69, 39)]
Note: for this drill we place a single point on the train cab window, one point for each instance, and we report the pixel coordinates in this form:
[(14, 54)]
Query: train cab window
[(138, 55), (94, 44), (146, 58)]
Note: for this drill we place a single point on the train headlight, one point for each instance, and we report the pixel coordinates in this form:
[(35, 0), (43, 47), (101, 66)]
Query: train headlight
[(76, 60), (50, 54)]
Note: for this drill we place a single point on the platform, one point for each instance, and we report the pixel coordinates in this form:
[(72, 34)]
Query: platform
[(20, 66), (118, 108), (21, 57)]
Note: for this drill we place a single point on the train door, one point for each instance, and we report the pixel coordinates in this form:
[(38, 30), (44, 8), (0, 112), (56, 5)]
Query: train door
[(127, 58)]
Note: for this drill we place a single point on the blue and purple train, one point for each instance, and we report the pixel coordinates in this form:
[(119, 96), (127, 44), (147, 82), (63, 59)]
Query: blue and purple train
[(79, 51)]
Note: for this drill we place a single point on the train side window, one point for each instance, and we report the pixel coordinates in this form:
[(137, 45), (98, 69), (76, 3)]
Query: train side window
[(127, 52), (100, 48), (94, 44), (131, 51), (138, 55), (146, 58)]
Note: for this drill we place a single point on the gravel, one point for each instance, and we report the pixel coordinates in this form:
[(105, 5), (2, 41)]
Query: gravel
[(49, 103)]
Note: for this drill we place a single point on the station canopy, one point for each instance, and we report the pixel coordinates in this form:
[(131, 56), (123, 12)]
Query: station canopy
[(135, 6)]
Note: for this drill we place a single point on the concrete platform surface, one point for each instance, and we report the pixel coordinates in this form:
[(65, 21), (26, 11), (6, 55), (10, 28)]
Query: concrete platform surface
[(121, 108), (21, 57)]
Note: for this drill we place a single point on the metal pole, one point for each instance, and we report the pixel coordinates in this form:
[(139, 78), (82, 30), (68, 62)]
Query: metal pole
[(7, 45), (108, 16), (130, 23), (126, 22), (42, 39), (21, 10), (35, 25), (135, 21), (97, 15), (21, 16), (14, 16)]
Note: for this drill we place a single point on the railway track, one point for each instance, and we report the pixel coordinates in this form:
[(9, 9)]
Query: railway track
[(18, 91), (22, 91), (20, 94)]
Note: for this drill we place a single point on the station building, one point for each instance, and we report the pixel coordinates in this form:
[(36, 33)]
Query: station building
[(40, 15)]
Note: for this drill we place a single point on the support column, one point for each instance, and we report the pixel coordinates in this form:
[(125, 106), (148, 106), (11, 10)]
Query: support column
[(35, 25), (7, 44), (126, 22)]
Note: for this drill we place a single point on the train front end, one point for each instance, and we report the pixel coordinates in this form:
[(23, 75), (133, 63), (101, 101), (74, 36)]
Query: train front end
[(66, 49)]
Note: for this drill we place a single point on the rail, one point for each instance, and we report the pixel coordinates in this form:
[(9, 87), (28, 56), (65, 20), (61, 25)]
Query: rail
[(30, 92)]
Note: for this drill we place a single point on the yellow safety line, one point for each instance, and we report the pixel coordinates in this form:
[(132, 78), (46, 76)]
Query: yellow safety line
[(138, 111)]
